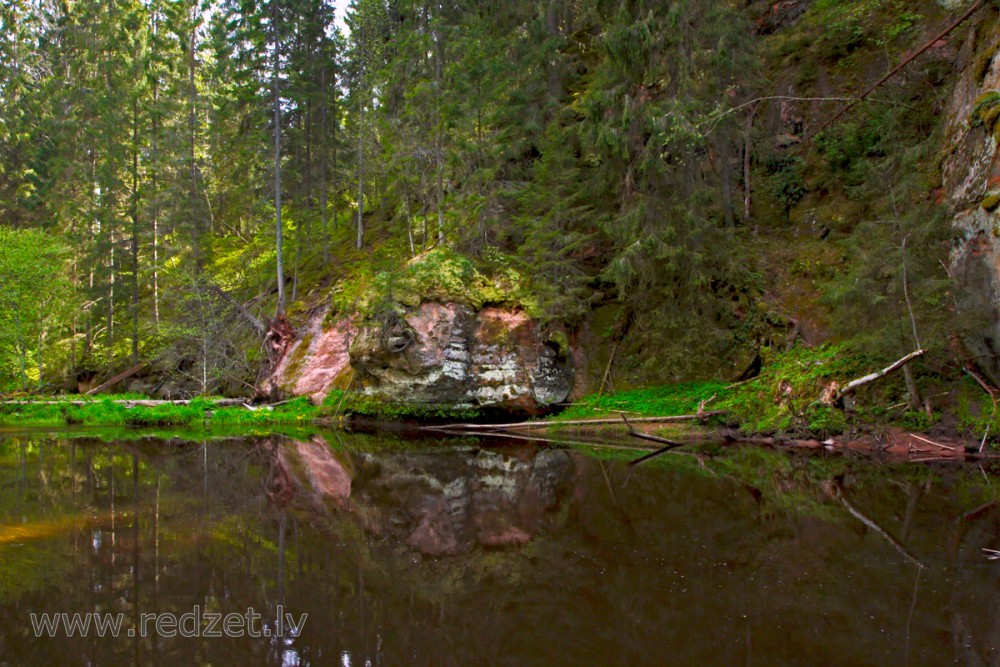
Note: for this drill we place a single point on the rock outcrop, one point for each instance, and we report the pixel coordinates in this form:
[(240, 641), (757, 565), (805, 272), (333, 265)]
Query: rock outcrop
[(971, 178), (444, 355)]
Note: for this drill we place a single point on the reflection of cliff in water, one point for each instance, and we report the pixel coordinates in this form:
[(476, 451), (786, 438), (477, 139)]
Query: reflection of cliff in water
[(436, 502)]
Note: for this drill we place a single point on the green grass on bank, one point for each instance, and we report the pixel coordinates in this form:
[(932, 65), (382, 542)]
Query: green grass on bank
[(784, 399), (200, 413), (667, 400)]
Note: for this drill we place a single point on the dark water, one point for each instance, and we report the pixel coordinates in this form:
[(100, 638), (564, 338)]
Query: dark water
[(451, 553)]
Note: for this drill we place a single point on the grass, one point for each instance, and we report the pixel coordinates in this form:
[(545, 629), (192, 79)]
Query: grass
[(667, 400), (784, 398), (199, 414)]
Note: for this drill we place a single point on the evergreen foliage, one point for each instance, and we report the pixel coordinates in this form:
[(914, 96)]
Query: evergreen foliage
[(558, 156)]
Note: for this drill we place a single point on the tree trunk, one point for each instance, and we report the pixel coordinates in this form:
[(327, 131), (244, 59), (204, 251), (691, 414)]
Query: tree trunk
[(135, 231), (277, 165), (361, 161), (156, 205), (747, 147), (324, 175), (196, 225)]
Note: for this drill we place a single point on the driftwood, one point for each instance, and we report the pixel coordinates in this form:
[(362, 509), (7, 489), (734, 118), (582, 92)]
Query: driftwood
[(853, 385), (116, 379), (546, 440)]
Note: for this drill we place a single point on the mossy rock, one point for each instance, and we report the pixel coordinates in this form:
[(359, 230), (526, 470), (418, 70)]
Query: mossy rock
[(991, 203), (990, 118), (986, 110)]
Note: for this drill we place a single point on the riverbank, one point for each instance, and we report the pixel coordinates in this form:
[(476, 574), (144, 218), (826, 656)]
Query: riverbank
[(791, 402)]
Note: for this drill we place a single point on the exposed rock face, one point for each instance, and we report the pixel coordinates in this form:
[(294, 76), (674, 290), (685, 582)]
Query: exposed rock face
[(314, 361), (447, 354), (440, 354), (781, 14), (970, 173)]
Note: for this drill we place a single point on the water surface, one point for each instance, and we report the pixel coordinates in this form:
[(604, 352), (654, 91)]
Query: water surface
[(446, 552)]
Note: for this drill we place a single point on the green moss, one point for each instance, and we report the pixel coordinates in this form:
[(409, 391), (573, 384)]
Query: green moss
[(298, 356), (440, 274), (985, 110), (785, 396), (982, 65), (667, 400), (990, 202), (353, 403), (975, 413)]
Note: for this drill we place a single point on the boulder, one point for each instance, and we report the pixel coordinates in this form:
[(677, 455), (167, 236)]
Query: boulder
[(446, 354)]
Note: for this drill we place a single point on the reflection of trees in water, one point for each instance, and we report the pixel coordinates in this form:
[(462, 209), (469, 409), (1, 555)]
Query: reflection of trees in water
[(664, 564)]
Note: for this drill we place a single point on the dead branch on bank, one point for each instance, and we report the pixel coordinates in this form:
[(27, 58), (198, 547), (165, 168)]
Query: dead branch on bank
[(116, 379), (854, 385)]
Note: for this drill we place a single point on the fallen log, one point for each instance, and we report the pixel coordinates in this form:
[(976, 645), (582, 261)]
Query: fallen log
[(936, 444), (853, 385), (133, 402), (576, 422), (667, 443), (116, 379)]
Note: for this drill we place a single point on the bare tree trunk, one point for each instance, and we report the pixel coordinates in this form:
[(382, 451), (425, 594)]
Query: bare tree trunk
[(41, 345), (135, 231), (277, 165), (409, 224), (911, 383), (156, 206), (747, 147), (726, 178), (111, 294), (361, 162), (440, 132), (196, 225), (22, 349), (324, 174)]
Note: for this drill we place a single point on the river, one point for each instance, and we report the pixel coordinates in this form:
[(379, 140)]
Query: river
[(386, 549)]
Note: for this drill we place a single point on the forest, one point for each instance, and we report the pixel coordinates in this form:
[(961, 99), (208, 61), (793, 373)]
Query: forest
[(684, 190)]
